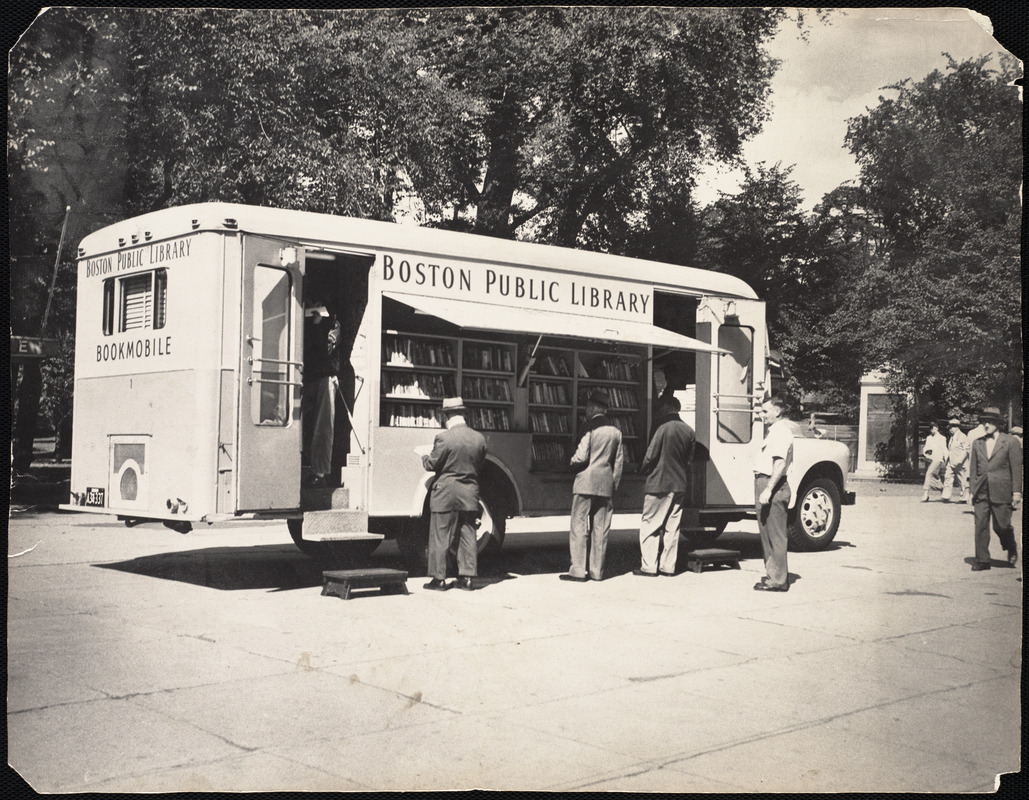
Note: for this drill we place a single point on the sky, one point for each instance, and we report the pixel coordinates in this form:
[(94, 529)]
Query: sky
[(840, 72)]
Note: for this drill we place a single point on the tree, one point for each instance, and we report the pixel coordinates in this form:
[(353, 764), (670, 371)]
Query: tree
[(592, 122), (941, 169)]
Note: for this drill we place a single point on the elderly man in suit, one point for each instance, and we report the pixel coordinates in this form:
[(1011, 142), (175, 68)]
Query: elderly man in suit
[(995, 480), (457, 456), (600, 456)]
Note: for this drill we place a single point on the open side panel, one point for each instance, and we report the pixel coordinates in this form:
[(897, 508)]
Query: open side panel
[(268, 411), (733, 385)]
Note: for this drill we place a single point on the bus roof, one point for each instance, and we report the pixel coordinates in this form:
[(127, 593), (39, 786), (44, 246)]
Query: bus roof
[(313, 229)]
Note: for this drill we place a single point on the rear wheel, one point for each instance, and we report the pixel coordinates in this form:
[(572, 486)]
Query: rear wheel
[(814, 520), (413, 540), (339, 554), (702, 537)]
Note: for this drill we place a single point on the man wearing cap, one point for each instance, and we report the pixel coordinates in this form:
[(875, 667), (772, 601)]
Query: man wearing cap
[(958, 449), (320, 384), (600, 456), (457, 456), (996, 484), (666, 466)]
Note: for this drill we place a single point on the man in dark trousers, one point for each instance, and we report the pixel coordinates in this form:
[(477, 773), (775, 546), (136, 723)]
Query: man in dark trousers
[(320, 384), (995, 481), (600, 456), (666, 466), (457, 456)]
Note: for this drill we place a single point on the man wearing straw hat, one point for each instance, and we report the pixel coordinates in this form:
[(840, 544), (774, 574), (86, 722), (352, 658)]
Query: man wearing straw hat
[(996, 485), (957, 462), (457, 456)]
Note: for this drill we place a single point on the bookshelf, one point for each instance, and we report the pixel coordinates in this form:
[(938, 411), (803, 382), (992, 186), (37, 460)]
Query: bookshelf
[(419, 370), (560, 383)]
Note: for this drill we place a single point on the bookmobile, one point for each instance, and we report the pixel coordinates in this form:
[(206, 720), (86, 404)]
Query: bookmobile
[(189, 365)]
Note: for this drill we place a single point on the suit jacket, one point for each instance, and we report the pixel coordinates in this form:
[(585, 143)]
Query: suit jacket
[(998, 477), (457, 456), (602, 455), (669, 454)]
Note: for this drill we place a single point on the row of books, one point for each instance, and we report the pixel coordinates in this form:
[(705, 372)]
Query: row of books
[(404, 351), (549, 393), (486, 389), (488, 357), (405, 415), (550, 453), (554, 366), (621, 398), (489, 419), (549, 422), (419, 384), (611, 369)]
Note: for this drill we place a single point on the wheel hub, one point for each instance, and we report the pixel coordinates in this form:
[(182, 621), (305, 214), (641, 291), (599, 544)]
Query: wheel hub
[(816, 512)]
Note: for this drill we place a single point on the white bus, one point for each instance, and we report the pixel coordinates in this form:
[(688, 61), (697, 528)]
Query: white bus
[(189, 364)]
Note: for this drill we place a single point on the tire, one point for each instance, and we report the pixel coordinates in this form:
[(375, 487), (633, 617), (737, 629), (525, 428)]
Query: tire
[(338, 554), (413, 540), (814, 520)]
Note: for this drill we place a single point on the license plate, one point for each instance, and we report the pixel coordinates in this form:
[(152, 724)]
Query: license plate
[(94, 497)]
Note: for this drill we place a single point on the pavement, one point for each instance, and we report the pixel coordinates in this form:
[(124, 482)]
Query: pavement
[(141, 660)]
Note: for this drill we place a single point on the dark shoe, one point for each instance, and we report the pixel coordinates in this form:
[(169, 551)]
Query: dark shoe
[(316, 482), (436, 585), (464, 582), (977, 567), (644, 573), (583, 579), (1013, 555), (667, 574), (764, 587)]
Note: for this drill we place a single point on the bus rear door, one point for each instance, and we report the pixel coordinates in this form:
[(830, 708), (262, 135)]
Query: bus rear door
[(268, 433)]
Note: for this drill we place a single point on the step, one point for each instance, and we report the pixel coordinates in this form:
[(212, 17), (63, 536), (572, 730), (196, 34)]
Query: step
[(313, 499), (338, 526)]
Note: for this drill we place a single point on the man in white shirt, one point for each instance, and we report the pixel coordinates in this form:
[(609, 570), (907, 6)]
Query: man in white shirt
[(957, 462), (935, 452), (772, 495)]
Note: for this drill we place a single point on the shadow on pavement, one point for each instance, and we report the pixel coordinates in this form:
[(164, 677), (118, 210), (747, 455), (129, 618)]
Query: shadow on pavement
[(275, 567), (282, 568)]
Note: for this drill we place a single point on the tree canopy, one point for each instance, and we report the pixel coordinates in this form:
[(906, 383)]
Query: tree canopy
[(941, 170)]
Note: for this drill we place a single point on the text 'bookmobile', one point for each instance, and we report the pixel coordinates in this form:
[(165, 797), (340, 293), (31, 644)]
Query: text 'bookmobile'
[(189, 365)]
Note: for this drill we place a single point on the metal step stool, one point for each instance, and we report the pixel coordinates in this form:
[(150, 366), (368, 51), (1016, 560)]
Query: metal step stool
[(340, 582), (696, 559)]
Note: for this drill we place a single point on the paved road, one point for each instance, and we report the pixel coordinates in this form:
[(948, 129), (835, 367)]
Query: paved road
[(141, 660)]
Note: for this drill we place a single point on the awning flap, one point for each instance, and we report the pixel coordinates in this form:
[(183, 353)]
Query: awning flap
[(490, 317)]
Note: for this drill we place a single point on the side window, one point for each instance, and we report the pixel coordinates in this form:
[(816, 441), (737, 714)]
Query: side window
[(271, 319), (735, 384), (137, 302)]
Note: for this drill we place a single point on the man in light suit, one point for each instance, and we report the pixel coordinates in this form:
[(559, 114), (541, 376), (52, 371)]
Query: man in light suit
[(601, 456), (995, 481), (457, 456)]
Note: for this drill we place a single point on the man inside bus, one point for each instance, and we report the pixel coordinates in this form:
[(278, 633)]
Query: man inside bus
[(666, 466), (318, 407), (457, 456), (772, 494), (600, 457)]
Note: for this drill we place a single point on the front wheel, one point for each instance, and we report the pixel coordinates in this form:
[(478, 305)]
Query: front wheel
[(814, 520)]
